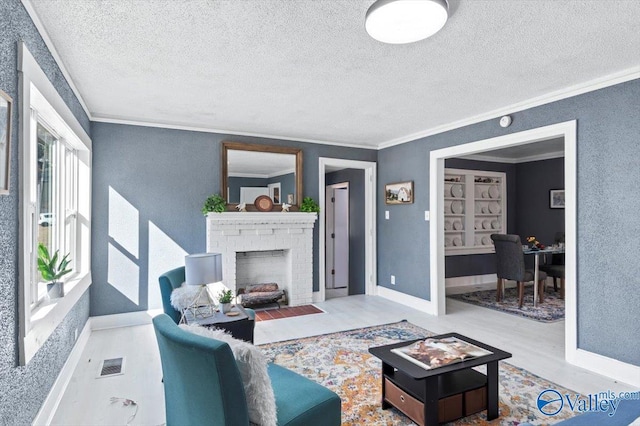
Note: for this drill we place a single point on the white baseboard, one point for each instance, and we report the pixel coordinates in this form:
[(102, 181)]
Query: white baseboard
[(128, 319), (608, 367), (470, 280), (50, 405), (406, 299)]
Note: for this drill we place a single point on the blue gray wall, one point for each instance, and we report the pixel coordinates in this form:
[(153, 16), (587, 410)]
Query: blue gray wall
[(534, 180), (608, 173), (165, 175), (25, 388), (355, 177)]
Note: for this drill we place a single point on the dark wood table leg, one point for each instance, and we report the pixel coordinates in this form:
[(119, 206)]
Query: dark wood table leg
[(386, 370), (431, 401), (492, 391)]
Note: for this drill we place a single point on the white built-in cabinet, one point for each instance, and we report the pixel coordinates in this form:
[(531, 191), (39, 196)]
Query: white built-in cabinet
[(475, 206)]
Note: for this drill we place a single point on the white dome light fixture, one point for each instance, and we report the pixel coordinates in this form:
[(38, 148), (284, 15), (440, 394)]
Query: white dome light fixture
[(405, 21)]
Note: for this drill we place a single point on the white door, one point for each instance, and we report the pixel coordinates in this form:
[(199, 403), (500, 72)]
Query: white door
[(337, 236)]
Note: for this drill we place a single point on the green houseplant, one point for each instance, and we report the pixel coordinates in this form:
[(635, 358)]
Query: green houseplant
[(214, 203), (52, 271), (224, 299), (309, 205)]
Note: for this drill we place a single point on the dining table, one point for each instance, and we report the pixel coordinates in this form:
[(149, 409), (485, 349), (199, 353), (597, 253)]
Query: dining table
[(536, 271)]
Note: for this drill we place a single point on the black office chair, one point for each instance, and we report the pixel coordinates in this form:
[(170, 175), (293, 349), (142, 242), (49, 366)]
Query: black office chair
[(555, 269), (510, 266)]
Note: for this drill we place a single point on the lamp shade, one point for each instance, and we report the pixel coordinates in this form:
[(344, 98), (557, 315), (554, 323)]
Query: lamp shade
[(203, 268), (405, 21)]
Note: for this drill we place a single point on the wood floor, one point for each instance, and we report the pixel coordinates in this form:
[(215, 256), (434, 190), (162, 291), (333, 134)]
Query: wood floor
[(538, 347)]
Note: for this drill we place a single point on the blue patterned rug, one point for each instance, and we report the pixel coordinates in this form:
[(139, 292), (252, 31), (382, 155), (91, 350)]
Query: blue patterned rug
[(552, 309)]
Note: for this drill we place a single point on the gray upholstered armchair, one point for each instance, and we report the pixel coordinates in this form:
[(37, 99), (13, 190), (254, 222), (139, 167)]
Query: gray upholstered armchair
[(510, 262), (555, 269)]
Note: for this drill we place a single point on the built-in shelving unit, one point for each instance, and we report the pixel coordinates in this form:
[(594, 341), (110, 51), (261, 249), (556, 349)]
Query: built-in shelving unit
[(475, 206)]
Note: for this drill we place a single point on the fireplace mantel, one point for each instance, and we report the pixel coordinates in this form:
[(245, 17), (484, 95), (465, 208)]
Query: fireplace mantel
[(231, 233), (257, 218)]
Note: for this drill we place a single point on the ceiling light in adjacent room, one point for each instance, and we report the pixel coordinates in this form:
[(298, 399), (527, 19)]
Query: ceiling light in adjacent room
[(405, 21)]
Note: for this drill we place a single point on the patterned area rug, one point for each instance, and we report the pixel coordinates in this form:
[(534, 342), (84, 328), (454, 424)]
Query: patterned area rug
[(341, 362), (552, 309)]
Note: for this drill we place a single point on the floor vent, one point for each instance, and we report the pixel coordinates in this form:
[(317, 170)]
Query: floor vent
[(111, 367)]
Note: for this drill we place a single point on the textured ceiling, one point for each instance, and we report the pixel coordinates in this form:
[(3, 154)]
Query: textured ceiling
[(307, 69)]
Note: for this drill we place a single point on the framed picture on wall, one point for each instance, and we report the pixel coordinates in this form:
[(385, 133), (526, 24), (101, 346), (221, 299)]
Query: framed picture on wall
[(398, 193), (556, 199), (5, 141)]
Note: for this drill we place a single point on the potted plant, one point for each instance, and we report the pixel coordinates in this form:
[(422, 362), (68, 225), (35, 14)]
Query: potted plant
[(309, 205), (214, 203), (224, 299), (52, 271)]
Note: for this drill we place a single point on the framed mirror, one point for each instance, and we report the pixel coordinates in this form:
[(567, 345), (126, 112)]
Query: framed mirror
[(250, 171)]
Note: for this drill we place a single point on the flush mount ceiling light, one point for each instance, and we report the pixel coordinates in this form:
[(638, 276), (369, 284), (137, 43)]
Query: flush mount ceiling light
[(405, 21)]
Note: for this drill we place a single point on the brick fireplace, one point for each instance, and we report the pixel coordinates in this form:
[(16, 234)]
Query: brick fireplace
[(253, 238)]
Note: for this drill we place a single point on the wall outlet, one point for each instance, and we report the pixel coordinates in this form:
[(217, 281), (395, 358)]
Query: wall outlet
[(75, 334), (393, 279), (426, 215), (386, 214)]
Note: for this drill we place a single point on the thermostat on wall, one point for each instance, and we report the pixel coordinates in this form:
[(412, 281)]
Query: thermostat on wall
[(505, 121)]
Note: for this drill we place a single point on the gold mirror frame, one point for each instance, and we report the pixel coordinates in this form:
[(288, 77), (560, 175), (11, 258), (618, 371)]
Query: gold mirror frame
[(241, 146)]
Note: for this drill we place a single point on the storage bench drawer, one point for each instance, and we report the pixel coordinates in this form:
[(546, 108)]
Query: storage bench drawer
[(449, 408)]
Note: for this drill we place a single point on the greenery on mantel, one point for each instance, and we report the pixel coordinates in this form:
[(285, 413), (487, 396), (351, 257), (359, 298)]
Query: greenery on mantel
[(215, 203), (309, 205)]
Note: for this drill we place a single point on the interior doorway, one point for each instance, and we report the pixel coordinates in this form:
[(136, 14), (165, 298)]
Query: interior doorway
[(362, 217), (567, 131), (337, 240)]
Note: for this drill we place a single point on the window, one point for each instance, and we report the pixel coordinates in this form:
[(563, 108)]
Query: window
[(55, 174), (55, 203)]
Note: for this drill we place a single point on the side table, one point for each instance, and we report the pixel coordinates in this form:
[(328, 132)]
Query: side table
[(240, 326)]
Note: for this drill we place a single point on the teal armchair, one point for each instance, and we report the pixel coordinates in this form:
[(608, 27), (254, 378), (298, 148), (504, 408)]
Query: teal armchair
[(203, 385), (171, 280)]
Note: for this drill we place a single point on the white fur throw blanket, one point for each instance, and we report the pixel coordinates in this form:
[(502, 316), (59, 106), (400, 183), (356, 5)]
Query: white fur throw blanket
[(261, 401), (183, 297)]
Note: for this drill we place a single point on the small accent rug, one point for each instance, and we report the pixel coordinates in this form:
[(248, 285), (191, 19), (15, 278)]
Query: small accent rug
[(342, 363), (287, 312), (552, 309)]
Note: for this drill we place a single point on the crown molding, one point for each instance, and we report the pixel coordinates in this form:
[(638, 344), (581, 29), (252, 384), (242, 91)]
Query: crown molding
[(166, 125), (56, 57), (568, 92)]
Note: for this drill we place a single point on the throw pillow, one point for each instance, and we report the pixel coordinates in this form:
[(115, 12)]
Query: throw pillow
[(252, 363)]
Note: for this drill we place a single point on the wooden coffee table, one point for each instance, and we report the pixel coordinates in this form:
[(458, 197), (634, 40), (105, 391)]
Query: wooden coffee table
[(443, 394)]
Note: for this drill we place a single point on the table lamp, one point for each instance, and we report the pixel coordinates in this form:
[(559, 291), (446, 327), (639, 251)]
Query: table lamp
[(200, 270)]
